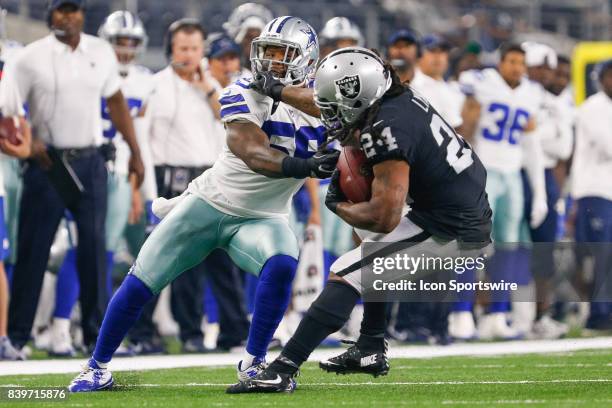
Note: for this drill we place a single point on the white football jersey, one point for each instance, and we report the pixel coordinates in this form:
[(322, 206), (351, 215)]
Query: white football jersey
[(504, 112), (136, 88), (442, 96), (230, 185)]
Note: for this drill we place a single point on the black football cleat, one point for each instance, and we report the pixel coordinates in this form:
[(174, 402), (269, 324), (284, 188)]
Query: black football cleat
[(269, 380), (357, 360)]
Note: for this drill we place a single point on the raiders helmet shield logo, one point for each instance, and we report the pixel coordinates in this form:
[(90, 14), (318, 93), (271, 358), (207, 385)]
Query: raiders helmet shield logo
[(349, 86)]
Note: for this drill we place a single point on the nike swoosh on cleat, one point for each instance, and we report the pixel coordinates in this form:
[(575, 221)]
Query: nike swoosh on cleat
[(275, 381)]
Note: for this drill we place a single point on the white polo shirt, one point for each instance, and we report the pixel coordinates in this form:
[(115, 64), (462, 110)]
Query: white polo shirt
[(442, 96), (183, 128), (63, 88), (591, 173)]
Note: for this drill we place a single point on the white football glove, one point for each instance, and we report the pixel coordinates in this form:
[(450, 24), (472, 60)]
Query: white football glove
[(539, 210)]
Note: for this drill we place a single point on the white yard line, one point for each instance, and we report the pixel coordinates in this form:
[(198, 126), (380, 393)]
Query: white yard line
[(58, 366)]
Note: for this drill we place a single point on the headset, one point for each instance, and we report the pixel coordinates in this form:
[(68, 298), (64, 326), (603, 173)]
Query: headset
[(177, 26)]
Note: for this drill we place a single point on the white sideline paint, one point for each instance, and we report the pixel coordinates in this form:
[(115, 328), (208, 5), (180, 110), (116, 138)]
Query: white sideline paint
[(62, 366)]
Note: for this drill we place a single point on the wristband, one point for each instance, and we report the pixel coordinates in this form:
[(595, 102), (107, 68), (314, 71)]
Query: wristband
[(295, 167)]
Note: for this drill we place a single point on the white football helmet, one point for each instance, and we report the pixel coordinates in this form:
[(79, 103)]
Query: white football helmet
[(347, 82), (244, 17), (301, 49), (339, 28), (124, 24)]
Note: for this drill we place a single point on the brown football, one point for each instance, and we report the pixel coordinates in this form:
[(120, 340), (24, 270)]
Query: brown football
[(355, 175)]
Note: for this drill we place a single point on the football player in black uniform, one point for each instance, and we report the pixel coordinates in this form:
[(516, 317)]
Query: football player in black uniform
[(413, 153)]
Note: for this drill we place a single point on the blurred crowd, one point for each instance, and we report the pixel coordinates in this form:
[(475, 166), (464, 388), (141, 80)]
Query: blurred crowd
[(119, 136)]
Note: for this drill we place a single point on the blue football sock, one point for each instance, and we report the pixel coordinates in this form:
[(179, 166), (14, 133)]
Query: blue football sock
[(123, 311), (466, 298), (522, 266), (501, 267), (67, 286), (271, 301), (250, 289)]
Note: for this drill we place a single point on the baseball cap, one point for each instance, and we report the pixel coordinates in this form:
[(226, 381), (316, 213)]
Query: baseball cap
[(403, 34), (55, 4), (537, 54), (435, 41), (222, 45)]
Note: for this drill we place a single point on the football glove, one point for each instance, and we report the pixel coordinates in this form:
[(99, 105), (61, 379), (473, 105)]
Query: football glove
[(265, 83), (334, 193), (321, 165)]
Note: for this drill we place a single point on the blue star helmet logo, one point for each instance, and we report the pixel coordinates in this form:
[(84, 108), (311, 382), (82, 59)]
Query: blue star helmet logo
[(312, 38)]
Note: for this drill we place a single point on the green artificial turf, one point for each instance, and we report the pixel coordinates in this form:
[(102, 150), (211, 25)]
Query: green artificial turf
[(547, 380)]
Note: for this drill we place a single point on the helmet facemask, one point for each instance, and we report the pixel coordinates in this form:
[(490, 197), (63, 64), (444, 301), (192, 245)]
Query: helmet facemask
[(293, 60)]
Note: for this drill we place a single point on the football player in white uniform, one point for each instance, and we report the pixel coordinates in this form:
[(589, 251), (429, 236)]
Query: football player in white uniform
[(245, 24), (507, 104), (11, 107), (240, 205), (554, 131), (340, 32), (126, 33)]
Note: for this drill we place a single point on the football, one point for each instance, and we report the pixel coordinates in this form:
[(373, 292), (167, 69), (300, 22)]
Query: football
[(355, 175), (9, 129)]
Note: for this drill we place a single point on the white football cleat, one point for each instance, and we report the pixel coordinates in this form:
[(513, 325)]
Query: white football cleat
[(494, 326), (249, 372), (61, 341), (461, 326), (8, 351), (92, 378), (548, 328)]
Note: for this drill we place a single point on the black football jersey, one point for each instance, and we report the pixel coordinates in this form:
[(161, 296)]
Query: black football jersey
[(447, 180)]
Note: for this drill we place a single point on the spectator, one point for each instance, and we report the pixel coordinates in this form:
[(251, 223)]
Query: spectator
[(403, 50), (62, 78)]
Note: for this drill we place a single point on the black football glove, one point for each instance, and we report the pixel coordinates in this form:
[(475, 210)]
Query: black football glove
[(334, 193), (266, 84), (321, 165)]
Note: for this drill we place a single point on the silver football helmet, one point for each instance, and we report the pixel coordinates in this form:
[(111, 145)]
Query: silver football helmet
[(339, 28), (347, 82), (301, 49), (124, 24), (244, 17)]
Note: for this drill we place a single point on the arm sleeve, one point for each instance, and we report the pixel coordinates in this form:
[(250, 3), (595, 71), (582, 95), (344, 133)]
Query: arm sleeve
[(238, 102), (112, 82)]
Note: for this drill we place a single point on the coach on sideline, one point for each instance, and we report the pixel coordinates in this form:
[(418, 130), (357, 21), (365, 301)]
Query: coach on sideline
[(63, 78)]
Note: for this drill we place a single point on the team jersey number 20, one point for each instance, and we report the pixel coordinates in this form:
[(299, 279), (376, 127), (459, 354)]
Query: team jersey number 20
[(506, 123)]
